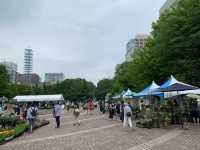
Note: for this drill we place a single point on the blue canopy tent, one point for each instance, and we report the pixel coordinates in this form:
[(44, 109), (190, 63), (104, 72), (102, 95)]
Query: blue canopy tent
[(128, 94), (172, 80), (119, 96), (172, 86), (169, 82), (149, 91), (178, 87)]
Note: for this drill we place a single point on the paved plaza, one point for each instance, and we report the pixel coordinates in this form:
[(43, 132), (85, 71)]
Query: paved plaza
[(97, 132)]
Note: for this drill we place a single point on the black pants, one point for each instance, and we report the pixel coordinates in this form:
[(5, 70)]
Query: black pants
[(122, 116), (58, 121)]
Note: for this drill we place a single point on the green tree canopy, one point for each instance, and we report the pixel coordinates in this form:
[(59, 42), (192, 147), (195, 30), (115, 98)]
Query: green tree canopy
[(4, 79), (103, 87), (76, 89), (172, 49)]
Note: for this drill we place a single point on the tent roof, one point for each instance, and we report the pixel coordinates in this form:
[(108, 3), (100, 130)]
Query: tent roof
[(174, 85), (177, 87), (123, 92), (39, 98), (197, 91), (149, 90), (172, 80), (128, 94)]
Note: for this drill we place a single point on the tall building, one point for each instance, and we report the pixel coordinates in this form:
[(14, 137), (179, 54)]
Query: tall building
[(11, 69), (53, 78), (28, 61), (137, 42), (28, 79), (129, 49), (167, 5)]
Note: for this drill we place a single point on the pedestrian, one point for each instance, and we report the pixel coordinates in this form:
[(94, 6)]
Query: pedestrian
[(24, 112), (127, 116), (17, 110), (90, 106), (122, 111), (57, 113), (111, 110), (118, 110), (76, 114), (31, 116)]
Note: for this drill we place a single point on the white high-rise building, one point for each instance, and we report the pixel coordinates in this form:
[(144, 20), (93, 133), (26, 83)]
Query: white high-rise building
[(167, 5), (137, 42), (129, 49), (28, 61), (11, 70), (53, 78)]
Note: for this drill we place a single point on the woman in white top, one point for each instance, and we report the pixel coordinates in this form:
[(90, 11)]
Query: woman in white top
[(127, 116)]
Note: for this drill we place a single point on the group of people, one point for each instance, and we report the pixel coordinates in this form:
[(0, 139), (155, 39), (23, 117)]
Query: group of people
[(123, 111), (27, 112), (76, 112)]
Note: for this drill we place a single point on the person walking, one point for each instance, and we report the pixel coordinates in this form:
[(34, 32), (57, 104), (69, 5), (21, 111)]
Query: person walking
[(118, 109), (76, 114), (31, 117), (90, 106), (24, 112), (57, 113), (122, 111), (111, 110), (127, 116)]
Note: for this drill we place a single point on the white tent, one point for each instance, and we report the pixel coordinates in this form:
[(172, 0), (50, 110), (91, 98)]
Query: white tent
[(194, 96), (39, 98), (116, 97), (191, 92), (128, 94)]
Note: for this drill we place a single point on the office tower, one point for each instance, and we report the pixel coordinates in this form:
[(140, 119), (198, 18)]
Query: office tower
[(28, 61)]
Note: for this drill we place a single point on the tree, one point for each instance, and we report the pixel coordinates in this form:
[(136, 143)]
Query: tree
[(76, 89), (4, 79), (103, 87), (172, 48)]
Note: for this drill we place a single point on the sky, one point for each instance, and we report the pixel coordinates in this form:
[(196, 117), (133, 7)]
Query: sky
[(81, 38)]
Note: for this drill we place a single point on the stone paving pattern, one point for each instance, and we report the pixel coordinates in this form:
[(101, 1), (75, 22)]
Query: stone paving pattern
[(97, 132)]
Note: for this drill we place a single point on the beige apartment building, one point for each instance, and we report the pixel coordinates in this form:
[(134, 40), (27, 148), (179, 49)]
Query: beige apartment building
[(137, 42)]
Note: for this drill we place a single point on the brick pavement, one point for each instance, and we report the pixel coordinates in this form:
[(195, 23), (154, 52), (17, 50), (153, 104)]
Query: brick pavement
[(97, 132)]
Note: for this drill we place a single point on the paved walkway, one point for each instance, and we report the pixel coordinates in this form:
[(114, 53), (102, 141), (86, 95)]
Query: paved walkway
[(97, 132)]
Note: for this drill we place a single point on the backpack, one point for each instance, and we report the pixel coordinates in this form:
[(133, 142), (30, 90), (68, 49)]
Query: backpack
[(33, 112)]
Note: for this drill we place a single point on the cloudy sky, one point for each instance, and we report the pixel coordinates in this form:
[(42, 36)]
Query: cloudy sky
[(81, 38)]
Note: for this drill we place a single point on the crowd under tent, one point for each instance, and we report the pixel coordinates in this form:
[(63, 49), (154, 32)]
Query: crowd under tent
[(39, 98)]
